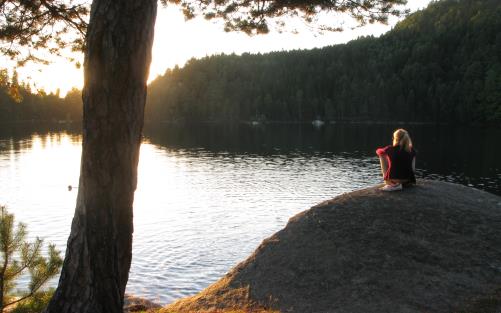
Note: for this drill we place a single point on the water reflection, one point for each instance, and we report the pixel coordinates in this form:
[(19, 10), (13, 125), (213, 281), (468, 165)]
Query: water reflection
[(465, 155), (207, 196)]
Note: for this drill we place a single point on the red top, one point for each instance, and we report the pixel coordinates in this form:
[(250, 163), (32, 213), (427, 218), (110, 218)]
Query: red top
[(399, 162)]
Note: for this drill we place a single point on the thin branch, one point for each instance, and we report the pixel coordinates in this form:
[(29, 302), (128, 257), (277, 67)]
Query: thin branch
[(26, 264)]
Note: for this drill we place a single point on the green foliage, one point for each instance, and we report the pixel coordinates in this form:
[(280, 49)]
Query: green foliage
[(37, 303), (254, 17), (19, 103), (441, 64), (30, 28), (17, 256)]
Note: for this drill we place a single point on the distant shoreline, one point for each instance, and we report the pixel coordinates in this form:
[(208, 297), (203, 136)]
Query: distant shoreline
[(326, 123), (147, 123)]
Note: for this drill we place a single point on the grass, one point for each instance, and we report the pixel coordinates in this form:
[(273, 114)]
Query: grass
[(223, 310), (490, 303)]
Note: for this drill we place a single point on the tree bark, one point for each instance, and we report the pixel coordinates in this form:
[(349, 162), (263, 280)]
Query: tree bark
[(99, 249)]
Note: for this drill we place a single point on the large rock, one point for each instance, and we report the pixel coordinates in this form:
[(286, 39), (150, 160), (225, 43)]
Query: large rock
[(435, 247)]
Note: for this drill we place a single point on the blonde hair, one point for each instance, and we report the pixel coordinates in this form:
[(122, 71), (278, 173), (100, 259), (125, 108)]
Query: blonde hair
[(401, 138)]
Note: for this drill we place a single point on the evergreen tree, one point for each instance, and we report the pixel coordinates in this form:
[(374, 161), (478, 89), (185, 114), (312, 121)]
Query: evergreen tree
[(17, 257), (440, 64)]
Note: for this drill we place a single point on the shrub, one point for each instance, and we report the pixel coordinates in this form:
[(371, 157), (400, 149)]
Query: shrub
[(18, 257)]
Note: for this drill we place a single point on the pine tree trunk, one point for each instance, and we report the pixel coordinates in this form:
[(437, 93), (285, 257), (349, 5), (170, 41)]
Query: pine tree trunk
[(99, 250)]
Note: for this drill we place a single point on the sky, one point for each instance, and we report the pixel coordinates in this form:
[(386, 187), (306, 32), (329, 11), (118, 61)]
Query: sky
[(177, 41)]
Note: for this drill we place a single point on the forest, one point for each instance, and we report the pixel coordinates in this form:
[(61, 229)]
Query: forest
[(19, 103), (439, 65)]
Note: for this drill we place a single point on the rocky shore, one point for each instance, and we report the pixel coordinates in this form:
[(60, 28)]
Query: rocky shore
[(435, 247)]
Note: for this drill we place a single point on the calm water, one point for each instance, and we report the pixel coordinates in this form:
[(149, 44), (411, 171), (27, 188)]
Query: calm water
[(207, 196)]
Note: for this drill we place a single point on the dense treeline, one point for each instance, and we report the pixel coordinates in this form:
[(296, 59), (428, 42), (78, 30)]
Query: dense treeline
[(441, 64), (18, 103)]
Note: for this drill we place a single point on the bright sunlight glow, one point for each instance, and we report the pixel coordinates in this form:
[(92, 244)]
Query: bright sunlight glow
[(177, 41)]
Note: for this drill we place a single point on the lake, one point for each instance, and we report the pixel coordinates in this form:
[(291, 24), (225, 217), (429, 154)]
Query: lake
[(208, 195)]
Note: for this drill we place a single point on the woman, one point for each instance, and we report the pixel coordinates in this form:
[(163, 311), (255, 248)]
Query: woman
[(398, 161)]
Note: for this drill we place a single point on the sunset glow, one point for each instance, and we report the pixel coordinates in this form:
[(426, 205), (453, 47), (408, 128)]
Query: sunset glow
[(177, 40)]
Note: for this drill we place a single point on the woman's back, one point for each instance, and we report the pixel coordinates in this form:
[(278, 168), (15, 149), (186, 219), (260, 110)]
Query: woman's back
[(400, 163)]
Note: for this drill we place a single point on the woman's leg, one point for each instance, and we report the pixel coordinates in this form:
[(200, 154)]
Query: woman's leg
[(384, 164)]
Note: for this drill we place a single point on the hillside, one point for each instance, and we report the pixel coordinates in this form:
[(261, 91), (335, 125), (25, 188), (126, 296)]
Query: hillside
[(431, 248), (441, 64)]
